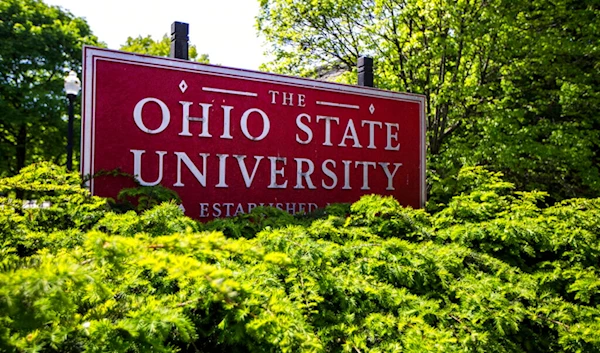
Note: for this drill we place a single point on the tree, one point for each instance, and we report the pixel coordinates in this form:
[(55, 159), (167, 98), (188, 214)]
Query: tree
[(509, 84), (149, 46), (441, 49), (543, 130), (40, 44)]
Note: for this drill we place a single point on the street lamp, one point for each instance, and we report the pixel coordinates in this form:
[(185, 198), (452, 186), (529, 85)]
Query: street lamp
[(72, 87)]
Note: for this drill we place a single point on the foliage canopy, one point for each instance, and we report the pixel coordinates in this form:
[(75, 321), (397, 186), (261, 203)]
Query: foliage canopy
[(147, 45), (40, 45), (512, 85)]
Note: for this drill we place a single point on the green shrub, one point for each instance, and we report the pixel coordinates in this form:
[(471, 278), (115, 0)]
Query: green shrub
[(493, 271)]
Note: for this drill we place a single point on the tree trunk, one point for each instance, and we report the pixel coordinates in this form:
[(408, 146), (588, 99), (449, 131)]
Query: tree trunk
[(21, 154), (21, 147)]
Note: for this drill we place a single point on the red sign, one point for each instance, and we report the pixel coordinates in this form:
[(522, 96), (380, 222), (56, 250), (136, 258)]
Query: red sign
[(228, 140)]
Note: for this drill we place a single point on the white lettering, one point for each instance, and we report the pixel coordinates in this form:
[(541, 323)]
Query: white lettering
[(290, 208), (288, 98), (301, 99), (389, 175), (222, 170), (248, 178), (239, 209), (347, 165), (201, 177), (300, 174), (275, 172), (273, 95), (329, 173), (228, 208), (216, 210), (266, 124), (328, 120), (366, 166), (186, 118), (137, 167), (391, 137), (304, 128), (137, 115), (350, 128), (372, 125), (203, 210), (226, 122)]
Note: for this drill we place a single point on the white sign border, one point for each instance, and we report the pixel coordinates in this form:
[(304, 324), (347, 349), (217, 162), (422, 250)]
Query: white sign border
[(92, 54)]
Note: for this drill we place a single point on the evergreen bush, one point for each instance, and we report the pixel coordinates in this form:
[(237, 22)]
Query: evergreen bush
[(494, 270)]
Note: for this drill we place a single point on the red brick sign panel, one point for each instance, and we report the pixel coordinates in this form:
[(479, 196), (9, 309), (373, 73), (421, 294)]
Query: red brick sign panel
[(228, 140)]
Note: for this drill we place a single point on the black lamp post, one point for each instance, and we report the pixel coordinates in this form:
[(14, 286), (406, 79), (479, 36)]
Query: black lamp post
[(72, 87)]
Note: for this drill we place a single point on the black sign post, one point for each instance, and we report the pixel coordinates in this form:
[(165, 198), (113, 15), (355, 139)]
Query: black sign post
[(365, 71), (179, 40)]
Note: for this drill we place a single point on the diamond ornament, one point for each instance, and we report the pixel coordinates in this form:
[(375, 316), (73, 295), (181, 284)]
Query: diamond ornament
[(372, 109), (183, 86)]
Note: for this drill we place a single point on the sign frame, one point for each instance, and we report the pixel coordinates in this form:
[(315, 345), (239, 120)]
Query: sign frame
[(93, 55)]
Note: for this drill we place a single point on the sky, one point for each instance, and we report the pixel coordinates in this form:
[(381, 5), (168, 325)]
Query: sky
[(223, 29)]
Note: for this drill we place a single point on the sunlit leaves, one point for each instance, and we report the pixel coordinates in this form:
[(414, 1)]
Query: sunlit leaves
[(494, 270), (160, 47), (511, 85)]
